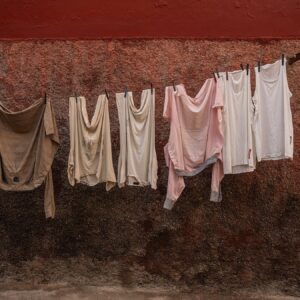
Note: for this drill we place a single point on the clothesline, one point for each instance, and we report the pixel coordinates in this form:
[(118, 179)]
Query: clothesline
[(290, 60), (223, 126)]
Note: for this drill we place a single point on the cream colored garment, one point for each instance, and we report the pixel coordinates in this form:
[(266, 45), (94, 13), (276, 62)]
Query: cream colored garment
[(28, 143), (137, 160), (90, 157), (238, 150)]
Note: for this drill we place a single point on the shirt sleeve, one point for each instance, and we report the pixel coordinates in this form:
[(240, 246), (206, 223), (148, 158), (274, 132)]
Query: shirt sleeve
[(219, 96), (217, 176), (50, 123), (72, 118), (175, 183), (169, 97), (49, 203)]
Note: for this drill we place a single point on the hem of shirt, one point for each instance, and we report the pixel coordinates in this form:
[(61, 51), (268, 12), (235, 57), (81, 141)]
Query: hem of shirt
[(111, 183), (275, 157), (137, 183), (239, 169), (198, 169), (216, 196), (34, 184), (169, 204)]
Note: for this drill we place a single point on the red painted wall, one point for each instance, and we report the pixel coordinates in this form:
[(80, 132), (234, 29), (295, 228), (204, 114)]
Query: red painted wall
[(93, 19)]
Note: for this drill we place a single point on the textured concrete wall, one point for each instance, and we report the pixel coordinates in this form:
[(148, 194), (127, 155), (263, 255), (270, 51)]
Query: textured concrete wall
[(249, 238)]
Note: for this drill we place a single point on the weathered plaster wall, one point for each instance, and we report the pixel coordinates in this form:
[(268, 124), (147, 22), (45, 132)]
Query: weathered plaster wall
[(27, 19), (249, 238)]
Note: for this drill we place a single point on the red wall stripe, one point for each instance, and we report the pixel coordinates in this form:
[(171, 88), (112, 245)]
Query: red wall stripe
[(94, 19)]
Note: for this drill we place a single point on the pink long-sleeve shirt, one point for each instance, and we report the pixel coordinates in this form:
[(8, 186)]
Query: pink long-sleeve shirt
[(196, 137)]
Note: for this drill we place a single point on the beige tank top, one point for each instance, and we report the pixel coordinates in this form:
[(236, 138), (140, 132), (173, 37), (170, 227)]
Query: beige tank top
[(137, 160), (90, 157)]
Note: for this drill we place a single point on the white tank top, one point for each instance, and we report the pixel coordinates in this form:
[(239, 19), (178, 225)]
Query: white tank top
[(137, 160), (273, 126), (237, 117)]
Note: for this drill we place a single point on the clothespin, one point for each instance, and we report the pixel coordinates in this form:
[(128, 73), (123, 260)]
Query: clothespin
[(151, 85), (45, 98), (247, 68), (217, 73), (126, 90), (293, 59), (226, 75), (214, 76), (242, 67), (282, 59), (106, 93), (260, 59), (174, 87), (76, 97)]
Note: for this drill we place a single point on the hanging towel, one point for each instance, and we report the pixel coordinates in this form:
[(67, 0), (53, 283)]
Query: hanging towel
[(28, 143), (90, 157), (238, 151), (273, 125), (196, 137), (137, 160)]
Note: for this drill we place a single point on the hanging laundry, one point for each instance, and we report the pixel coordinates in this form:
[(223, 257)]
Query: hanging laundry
[(196, 137), (238, 154), (29, 141), (273, 126), (90, 157), (137, 160)]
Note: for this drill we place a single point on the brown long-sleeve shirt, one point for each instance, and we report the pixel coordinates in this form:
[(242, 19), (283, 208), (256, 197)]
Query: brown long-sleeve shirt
[(28, 143)]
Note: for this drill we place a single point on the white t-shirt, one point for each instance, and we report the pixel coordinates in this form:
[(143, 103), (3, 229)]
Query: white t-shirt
[(137, 160), (273, 126), (237, 115)]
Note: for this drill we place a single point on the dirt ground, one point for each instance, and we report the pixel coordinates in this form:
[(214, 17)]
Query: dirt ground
[(85, 278), (111, 293)]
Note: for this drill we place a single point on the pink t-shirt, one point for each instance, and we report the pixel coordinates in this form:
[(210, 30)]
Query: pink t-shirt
[(196, 137)]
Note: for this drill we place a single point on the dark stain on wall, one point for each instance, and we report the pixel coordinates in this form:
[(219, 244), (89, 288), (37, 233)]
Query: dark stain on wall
[(251, 237)]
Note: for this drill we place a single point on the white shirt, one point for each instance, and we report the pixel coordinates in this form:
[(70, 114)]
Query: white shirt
[(137, 160), (273, 124), (237, 115)]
